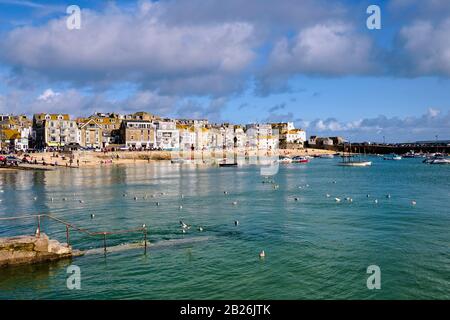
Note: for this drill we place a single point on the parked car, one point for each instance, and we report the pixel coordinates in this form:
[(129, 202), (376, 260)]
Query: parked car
[(2, 158)]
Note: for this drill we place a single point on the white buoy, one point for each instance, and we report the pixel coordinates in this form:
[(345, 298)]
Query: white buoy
[(262, 254)]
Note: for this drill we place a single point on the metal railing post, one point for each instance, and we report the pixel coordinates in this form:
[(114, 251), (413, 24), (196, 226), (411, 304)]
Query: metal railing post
[(38, 230), (67, 236), (104, 241)]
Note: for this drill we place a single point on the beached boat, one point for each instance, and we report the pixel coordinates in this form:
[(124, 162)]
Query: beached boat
[(392, 156), (299, 159)]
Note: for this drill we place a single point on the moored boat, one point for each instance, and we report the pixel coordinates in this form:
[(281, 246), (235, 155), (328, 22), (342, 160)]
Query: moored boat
[(300, 159), (392, 156)]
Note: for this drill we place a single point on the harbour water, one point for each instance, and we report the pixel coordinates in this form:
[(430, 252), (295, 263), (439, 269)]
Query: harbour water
[(316, 248)]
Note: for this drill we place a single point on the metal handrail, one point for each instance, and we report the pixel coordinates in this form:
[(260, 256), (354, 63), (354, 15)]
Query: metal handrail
[(69, 226)]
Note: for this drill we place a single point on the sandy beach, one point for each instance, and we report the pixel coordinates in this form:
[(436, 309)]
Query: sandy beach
[(79, 159)]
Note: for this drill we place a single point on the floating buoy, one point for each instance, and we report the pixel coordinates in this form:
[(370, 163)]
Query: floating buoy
[(262, 254)]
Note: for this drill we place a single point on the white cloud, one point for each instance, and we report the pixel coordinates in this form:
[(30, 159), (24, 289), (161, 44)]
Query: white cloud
[(48, 95), (135, 46)]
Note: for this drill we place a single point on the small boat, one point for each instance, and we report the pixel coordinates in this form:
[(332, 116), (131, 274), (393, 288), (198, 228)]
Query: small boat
[(436, 159), (326, 156), (392, 156), (231, 164), (350, 161), (299, 159), (354, 163), (284, 160)]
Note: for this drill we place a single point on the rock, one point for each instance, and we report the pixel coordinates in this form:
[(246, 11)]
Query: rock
[(31, 249)]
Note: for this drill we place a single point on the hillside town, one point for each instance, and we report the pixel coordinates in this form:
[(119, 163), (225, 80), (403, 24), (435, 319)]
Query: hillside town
[(140, 131)]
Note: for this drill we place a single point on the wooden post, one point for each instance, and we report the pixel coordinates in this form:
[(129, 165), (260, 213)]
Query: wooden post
[(104, 241)]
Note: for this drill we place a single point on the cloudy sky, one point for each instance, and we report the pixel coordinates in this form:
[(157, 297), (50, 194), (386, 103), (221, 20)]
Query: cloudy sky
[(313, 62)]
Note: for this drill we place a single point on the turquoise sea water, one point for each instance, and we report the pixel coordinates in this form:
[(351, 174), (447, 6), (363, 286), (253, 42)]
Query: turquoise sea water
[(315, 248)]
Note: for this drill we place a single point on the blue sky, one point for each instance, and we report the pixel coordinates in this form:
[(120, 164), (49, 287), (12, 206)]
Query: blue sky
[(313, 62)]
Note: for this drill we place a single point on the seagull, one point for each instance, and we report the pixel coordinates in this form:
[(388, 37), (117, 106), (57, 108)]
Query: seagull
[(368, 196), (51, 199), (180, 207), (337, 199), (200, 229), (334, 181), (236, 222), (182, 196), (35, 198), (157, 203), (92, 216), (296, 199), (413, 202), (375, 201), (64, 199), (225, 192), (262, 254), (328, 195), (135, 198), (234, 203), (124, 195), (184, 225)]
